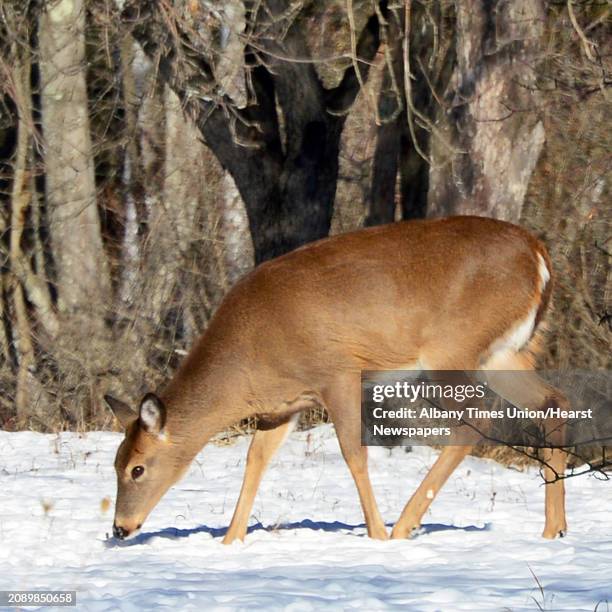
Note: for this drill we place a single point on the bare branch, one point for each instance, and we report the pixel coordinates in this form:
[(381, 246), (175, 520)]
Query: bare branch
[(586, 43), (340, 98)]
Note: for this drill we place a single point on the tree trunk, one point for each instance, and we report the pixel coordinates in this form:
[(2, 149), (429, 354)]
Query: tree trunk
[(174, 218), (282, 148), (80, 271), (20, 202), (290, 203), (235, 236), (83, 284), (388, 134), (492, 135), (395, 146)]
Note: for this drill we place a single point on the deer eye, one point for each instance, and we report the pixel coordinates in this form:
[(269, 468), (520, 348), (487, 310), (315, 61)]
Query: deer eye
[(137, 472)]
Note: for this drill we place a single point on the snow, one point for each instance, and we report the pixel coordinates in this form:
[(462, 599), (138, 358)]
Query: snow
[(480, 547)]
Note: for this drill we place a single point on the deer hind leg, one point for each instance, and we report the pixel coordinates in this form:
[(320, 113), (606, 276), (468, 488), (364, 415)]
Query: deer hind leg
[(343, 404), (533, 393), (450, 458), (263, 446), (447, 462), (556, 461)]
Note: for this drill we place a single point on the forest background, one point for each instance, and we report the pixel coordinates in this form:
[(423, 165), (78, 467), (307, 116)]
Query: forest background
[(153, 152)]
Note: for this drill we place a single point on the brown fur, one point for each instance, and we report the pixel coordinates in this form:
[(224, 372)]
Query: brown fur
[(298, 330)]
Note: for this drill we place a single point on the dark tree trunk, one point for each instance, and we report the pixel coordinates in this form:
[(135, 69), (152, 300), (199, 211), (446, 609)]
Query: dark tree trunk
[(414, 174), (287, 177), (395, 149), (288, 194), (384, 173), (391, 102), (8, 138), (414, 168)]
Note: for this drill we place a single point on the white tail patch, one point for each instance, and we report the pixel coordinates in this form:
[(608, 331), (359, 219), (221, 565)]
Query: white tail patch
[(520, 333), (543, 272), (514, 340)]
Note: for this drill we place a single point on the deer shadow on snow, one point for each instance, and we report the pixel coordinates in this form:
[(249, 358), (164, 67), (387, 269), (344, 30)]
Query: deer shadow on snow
[(174, 533)]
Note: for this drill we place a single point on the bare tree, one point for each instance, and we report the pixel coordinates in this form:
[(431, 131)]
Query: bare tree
[(282, 148), (151, 152), (492, 133), (74, 221)]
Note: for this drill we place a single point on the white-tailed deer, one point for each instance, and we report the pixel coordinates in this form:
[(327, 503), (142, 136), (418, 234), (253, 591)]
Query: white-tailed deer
[(462, 293)]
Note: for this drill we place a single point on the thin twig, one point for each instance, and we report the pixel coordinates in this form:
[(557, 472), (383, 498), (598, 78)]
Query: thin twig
[(586, 43), (410, 110)]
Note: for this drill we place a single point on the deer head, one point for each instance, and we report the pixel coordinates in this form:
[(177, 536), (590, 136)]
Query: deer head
[(147, 463)]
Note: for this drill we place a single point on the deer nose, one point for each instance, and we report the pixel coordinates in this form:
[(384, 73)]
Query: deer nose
[(120, 532)]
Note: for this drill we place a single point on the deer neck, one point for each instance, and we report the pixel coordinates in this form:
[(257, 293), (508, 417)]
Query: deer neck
[(209, 393)]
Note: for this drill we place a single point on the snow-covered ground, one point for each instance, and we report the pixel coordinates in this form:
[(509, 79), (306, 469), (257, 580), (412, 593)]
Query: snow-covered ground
[(480, 548)]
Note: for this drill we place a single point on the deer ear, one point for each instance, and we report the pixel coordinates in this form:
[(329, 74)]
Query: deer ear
[(122, 411), (152, 414)]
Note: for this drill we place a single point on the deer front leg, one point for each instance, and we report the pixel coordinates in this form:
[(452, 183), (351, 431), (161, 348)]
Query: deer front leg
[(263, 446), (343, 404), (358, 465)]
